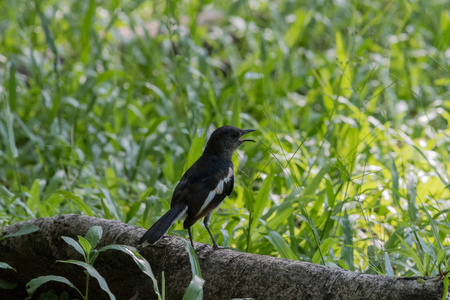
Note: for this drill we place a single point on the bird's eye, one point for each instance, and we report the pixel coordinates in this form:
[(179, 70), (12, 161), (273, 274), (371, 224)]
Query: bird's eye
[(236, 134)]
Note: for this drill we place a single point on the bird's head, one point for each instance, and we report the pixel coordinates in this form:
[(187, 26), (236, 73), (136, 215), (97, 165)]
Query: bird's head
[(226, 139)]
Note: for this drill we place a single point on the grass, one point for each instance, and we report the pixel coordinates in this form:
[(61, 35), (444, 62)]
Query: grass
[(105, 103)]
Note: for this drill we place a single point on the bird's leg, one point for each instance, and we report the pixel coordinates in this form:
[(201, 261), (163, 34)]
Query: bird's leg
[(192, 242), (190, 237), (206, 222)]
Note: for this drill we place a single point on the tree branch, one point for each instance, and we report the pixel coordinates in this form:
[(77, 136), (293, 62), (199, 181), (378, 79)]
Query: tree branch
[(228, 274)]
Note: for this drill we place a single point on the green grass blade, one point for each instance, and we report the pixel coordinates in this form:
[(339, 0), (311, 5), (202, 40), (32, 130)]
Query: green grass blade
[(280, 245), (261, 199), (387, 264), (195, 289), (94, 235), (195, 265), (413, 254), (79, 203), (94, 273), (195, 151), (347, 245), (140, 261), (445, 294), (74, 244), (4, 265)]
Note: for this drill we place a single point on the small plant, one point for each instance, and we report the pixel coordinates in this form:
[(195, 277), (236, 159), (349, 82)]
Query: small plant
[(86, 247)]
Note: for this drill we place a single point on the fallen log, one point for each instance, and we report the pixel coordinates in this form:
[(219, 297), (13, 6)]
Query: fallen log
[(227, 273)]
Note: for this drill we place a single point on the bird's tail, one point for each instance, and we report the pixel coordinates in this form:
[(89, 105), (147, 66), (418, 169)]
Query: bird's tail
[(163, 224)]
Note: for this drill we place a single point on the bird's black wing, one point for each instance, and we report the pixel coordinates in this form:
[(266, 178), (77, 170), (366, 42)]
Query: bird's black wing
[(204, 186)]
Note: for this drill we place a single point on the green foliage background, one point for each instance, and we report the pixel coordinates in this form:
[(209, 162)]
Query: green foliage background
[(104, 104)]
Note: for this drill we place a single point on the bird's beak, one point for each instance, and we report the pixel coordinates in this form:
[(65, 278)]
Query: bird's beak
[(245, 132)]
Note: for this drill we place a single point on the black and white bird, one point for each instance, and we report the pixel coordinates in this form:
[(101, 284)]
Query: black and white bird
[(204, 185)]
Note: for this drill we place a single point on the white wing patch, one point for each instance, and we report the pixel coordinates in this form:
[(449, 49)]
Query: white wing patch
[(208, 200), (219, 188), (217, 191)]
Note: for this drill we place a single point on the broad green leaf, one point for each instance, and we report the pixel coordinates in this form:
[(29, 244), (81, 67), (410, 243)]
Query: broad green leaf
[(395, 180), (283, 212), (440, 256), (393, 240), (426, 264), (297, 30), (12, 99), (345, 175), (277, 241), (314, 184), (340, 49), (33, 284), (387, 264), (111, 204), (146, 193), (4, 265), (330, 194), (48, 33), (168, 168), (444, 295), (442, 81), (347, 74), (432, 165), (310, 222), (5, 192), (86, 31), (374, 262), (405, 265), (94, 273), (249, 199), (324, 247), (226, 236), (94, 235), (195, 289), (433, 227), (444, 34), (9, 115), (134, 208), (412, 254), (195, 265), (112, 181), (34, 199), (74, 244), (85, 244), (412, 194), (25, 229), (261, 199)]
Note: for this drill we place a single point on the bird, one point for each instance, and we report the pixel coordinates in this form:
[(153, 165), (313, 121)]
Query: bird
[(203, 187)]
